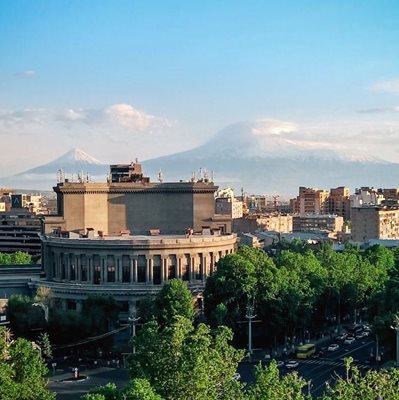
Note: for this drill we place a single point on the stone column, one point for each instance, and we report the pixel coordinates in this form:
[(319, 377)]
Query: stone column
[(78, 268), (162, 268), (191, 269), (68, 266), (103, 264), (166, 268), (178, 266), (204, 267), (149, 270), (118, 269), (89, 263)]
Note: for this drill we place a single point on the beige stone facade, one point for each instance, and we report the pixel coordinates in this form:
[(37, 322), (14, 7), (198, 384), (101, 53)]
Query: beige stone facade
[(310, 201), (135, 206), (272, 222), (374, 223), (318, 223), (129, 267)]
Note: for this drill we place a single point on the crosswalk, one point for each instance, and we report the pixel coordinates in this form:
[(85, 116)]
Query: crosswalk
[(331, 363)]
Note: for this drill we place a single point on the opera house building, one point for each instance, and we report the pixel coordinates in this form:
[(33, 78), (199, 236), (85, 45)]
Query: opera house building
[(127, 236)]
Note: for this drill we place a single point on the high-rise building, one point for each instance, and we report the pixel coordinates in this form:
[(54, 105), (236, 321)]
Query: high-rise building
[(339, 202), (310, 201), (374, 222)]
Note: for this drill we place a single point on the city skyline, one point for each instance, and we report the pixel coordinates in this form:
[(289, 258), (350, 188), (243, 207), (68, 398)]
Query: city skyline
[(149, 79)]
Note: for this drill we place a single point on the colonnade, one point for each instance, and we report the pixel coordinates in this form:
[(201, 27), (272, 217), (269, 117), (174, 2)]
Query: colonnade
[(121, 268)]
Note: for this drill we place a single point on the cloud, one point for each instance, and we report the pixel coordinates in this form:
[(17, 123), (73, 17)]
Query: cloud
[(379, 110), (117, 117), (24, 117), (391, 86), (25, 74), (133, 119), (273, 127)]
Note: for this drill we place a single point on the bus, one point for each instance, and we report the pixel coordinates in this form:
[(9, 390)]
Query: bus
[(306, 350)]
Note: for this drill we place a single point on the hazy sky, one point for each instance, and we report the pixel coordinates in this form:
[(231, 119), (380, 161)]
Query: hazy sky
[(125, 79)]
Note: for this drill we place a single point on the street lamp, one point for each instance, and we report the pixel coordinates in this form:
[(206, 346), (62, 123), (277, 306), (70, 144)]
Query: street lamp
[(395, 327), (133, 321), (250, 316)]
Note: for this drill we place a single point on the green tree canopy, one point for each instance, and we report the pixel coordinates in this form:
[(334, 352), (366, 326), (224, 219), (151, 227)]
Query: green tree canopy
[(373, 385), (22, 370), (271, 386), (18, 257), (182, 362), (174, 299)]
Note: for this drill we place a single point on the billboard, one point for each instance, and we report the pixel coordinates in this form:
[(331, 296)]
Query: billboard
[(16, 201)]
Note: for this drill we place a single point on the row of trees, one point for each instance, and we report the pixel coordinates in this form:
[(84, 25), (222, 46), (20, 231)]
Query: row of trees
[(298, 291), (98, 315), (18, 257), (176, 359)]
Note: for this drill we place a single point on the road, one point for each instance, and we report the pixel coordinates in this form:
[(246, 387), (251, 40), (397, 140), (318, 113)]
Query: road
[(326, 368)]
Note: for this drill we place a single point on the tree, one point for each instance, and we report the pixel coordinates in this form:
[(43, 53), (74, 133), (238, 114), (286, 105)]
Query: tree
[(373, 385), (182, 362), (100, 313), (22, 370), (271, 386), (21, 257), (45, 345), (245, 277), (18, 257), (107, 392), (24, 316), (139, 389), (174, 299)]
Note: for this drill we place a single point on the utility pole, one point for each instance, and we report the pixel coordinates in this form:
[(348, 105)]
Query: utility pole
[(250, 316), (395, 327), (133, 321)]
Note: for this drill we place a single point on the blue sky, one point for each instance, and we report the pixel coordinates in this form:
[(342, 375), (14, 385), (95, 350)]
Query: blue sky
[(125, 79)]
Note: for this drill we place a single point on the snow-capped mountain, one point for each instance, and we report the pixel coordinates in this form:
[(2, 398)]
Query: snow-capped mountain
[(44, 177), (274, 157)]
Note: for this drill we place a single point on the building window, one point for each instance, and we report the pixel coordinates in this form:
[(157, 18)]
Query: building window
[(73, 272), (185, 267), (125, 274), (125, 269), (110, 269), (156, 268), (71, 305), (141, 269), (83, 267), (110, 274), (97, 270)]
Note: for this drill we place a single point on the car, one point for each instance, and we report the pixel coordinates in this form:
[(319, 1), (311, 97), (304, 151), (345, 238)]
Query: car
[(366, 328), (280, 364), (359, 335), (342, 336), (349, 340), (333, 347), (292, 364)]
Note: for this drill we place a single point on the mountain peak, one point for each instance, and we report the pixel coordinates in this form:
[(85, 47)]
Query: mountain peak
[(78, 155)]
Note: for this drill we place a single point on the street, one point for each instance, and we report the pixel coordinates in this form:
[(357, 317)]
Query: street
[(324, 369)]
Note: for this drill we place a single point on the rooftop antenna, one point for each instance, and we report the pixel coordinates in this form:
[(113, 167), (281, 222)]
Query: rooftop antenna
[(160, 176), (87, 177), (206, 175), (200, 173), (193, 176), (213, 176)]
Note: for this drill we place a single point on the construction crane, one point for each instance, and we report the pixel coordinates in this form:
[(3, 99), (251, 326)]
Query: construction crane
[(275, 201)]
